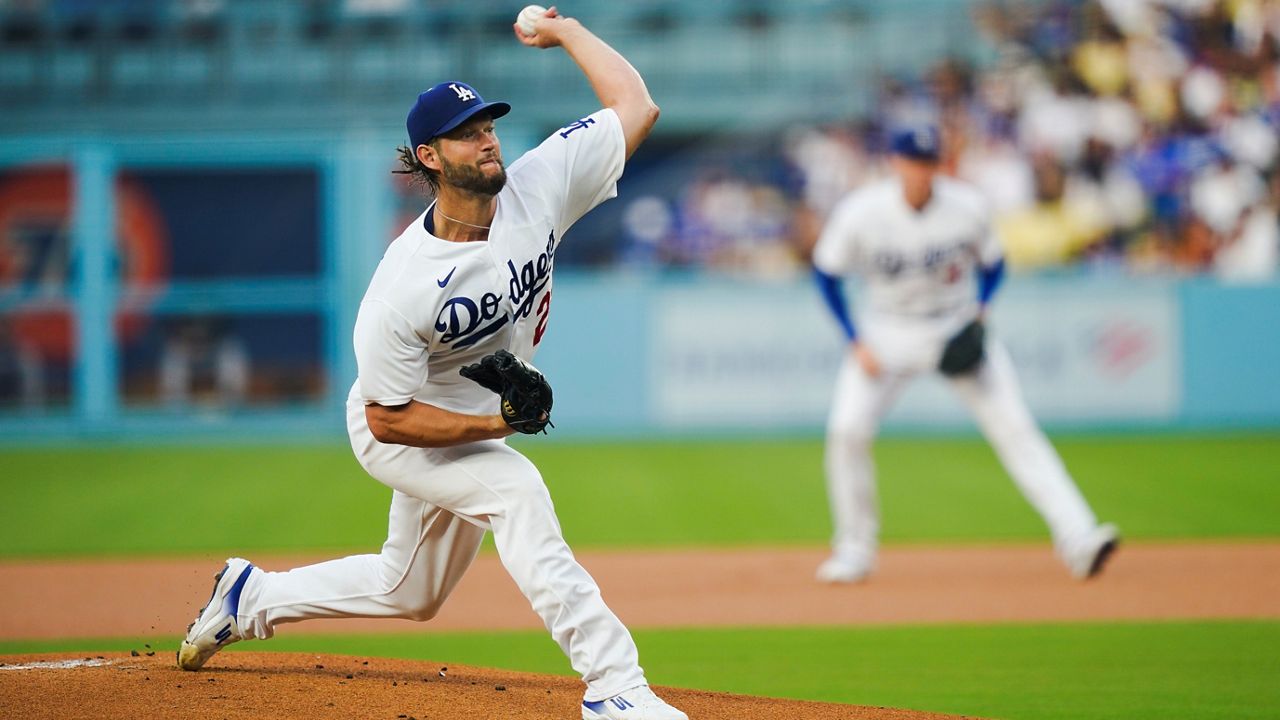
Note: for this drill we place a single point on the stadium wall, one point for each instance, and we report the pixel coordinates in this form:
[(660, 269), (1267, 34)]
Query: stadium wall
[(704, 356)]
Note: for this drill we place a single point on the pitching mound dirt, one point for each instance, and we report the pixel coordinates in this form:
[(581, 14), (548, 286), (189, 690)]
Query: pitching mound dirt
[(244, 686)]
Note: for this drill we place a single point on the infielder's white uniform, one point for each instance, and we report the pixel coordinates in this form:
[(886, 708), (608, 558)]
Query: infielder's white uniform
[(433, 306), (917, 271)]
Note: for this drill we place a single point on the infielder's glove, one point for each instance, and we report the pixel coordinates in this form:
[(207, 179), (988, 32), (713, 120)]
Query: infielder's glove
[(524, 392), (963, 352)]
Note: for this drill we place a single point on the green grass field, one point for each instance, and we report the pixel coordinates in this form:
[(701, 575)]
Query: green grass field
[(129, 500), (150, 501)]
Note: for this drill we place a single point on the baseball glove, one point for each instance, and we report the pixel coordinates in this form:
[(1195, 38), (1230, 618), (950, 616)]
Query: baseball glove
[(963, 352), (525, 394)]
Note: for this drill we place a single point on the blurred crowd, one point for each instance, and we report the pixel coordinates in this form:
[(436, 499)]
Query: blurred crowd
[(1135, 135)]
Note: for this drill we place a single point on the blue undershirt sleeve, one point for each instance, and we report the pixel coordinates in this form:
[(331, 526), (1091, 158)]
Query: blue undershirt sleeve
[(833, 292), (989, 278)]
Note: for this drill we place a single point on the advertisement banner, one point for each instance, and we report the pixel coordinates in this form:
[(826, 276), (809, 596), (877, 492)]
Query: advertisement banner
[(728, 356), (742, 356)]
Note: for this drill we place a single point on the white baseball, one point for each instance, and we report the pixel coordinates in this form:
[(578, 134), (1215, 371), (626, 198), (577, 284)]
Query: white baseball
[(528, 16)]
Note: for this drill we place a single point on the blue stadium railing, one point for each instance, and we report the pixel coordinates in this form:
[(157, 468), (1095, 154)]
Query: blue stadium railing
[(354, 199), (249, 66)]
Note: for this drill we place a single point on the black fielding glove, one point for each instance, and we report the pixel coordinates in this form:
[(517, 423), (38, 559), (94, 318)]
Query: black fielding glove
[(525, 394), (964, 351)]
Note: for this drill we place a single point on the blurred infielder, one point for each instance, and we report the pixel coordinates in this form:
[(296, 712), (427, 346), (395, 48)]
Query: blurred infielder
[(928, 261), (466, 282)]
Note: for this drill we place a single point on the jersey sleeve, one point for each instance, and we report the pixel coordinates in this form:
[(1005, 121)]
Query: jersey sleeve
[(989, 249), (577, 167), (837, 250), (390, 356)]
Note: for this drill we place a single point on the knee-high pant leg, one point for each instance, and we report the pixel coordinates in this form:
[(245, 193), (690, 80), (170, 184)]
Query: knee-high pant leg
[(426, 553), (994, 398), (496, 487), (858, 405)]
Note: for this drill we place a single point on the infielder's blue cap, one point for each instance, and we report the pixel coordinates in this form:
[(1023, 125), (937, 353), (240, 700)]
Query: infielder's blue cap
[(920, 142), (445, 107)]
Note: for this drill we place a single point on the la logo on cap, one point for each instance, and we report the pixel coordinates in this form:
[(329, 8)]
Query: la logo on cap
[(435, 113)]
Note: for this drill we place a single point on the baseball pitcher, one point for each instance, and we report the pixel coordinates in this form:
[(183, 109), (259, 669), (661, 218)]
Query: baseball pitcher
[(928, 263), (454, 314)]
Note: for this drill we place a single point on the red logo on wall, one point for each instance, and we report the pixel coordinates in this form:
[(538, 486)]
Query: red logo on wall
[(1122, 347), (37, 260)]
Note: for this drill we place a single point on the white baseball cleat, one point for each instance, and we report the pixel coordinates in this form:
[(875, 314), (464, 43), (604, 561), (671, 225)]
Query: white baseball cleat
[(1089, 557), (839, 569), (216, 626), (638, 703)]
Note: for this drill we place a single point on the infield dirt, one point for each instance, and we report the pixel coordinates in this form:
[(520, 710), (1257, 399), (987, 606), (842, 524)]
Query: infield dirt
[(699, 588)]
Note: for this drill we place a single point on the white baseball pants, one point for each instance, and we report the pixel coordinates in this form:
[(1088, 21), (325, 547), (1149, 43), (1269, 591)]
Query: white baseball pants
[(993, 396), (444, 501)]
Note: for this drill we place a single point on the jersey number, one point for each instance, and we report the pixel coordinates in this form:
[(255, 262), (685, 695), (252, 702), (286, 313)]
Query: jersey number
[(544, 314)]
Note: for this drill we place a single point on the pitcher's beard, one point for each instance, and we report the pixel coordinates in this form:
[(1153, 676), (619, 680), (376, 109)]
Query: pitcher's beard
[(472, 179)]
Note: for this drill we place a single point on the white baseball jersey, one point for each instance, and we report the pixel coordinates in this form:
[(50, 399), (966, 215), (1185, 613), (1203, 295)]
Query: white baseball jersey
[(913, 264), (919, 285), (435, 305)]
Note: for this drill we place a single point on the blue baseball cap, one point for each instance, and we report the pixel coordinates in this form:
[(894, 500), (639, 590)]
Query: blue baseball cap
[(445, 107), (920, 142)]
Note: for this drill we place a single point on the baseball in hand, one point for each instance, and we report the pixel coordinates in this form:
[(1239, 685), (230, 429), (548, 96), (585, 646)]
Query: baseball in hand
[(528, 16)]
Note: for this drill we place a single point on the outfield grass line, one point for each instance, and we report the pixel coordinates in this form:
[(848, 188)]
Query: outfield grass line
[(318, 553), (315, 641)]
